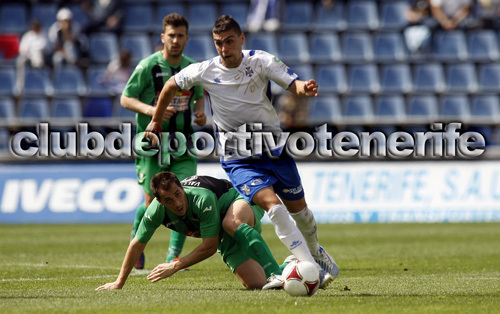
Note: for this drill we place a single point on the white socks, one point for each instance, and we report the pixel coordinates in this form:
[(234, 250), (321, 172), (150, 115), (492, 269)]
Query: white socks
[(307, 225), (288, 233)]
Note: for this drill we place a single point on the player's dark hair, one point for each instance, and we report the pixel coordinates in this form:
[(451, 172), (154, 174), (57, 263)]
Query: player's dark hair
[(175, 20), (226, 23), (163, 182)]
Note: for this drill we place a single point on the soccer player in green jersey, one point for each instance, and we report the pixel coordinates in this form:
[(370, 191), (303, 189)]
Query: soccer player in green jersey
[(141, 94), (212, 209)]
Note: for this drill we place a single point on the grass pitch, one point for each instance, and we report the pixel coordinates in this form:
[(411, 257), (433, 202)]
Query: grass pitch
[(384, 268)]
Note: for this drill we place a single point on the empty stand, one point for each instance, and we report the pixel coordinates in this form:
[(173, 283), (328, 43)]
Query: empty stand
[(138, 17), (485, 108), (357, 47), (34, 108), (324, 110), (482, 45), (297, 15), (390, 108), (103, 47), (69, 80), (293, 48), (329, 19), (38, 82), (262, 41), (7, 109), (362, 15), (357, 109), (139, 46), (66, 108), (200, 48), (7, 81), (450, 45), (332, 78), (200, 16), (461, 77), (363, 78), (13, 18), (428, 78), (396, 78), (489, 77), (325, 48), (454, 107), (389, 47), (45, 13), (393, 15)]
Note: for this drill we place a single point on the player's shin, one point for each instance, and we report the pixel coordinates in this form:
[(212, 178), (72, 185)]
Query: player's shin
[(251, 240), (139, 213), (307, 225), (288, 233)]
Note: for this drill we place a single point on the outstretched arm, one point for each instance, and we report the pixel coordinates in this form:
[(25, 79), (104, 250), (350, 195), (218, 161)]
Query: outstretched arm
[(304, 88), (206, 249), (199, 112), (134, 250)]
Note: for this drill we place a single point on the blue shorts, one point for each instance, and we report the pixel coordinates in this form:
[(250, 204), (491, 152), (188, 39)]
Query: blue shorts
[(252, 174)]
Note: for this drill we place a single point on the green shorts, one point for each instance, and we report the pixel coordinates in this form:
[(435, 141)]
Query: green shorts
[(146, 168), (232, 253)]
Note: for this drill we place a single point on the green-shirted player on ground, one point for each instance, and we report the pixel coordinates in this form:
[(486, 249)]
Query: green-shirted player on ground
[(212, 209), (141, 94)]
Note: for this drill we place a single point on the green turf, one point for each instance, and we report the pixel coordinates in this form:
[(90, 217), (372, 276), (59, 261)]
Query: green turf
[(384, 268)]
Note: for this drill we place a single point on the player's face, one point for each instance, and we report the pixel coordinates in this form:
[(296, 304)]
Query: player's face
[(174, 39), (229, 45), (174, 200)]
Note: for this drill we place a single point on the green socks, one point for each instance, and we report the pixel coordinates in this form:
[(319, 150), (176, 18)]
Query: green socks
[(139, 213), (176, 243)]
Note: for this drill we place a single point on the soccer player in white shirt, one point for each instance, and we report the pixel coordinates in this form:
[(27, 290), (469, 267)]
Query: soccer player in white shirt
[(238, 86)]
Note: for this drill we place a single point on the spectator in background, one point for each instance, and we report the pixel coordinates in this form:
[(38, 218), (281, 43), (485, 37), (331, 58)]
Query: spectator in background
[(68, 43), (264, 14), (292, 111), (118, 72), (453, 14), (417, 34), (104, 15), (33, 50), (488, 13)]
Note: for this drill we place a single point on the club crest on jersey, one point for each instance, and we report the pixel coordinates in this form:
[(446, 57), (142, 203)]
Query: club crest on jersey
[(246, 189), (140, 177), (248, 71)]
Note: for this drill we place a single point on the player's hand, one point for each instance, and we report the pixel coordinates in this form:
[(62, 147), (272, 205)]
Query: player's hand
[(110, 286), (169, 112), (162, 271), (152, 133), (311, 88), (201, 118)]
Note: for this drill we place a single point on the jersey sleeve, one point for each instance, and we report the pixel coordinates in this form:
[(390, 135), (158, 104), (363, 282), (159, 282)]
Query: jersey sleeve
[(206, 208), (277, 71), (153, 218), (189, 76), (137, 81)]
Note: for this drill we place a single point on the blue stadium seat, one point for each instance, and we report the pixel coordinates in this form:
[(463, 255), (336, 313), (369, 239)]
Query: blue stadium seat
[(122, 113), (79, 15), (297, 16), (390, 108), (238, 10), (45, 13), (4, 140), (66, 108), (461, 77), (325, 48), (103, 47), (453, 107), (95, 82), (332, 78), (200, 47), (69, 80), (450, 46), (200, 16), (428, 78), (98, 107), (485, 108), (329, 19), (395, 78), (165, 9), (7, 81), (482, 45), (38, 82), (139, 46), (303, 70), (362, 15), (393, 15), (138, 18), (13, 18), (262, 41), (357, 47), (357, 108), (34, 108), (363, 78), (293, 48), (422, 107), (324, 109), (7, 109), (389, 47), (489, 77)]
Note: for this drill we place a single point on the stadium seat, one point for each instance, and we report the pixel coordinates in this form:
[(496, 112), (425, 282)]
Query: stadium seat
[(45, 13), (395, 78), (454, 107), (393, 15), (4, 140), (95, 82), (329, 19), (238, 10), (482, 46), (489, 77), (200, 48), (103, 47), (13, 18), (122, 113), (357, 47), (66, 108), (79, 16), (485, 108), (7, 81), (363, 78), (293, 48), (262, 41), (390, 108), (38, 82), (324, 109), (69, 80), (362, 15), (331, 78), (163, 9), (357, 109), (303, 70), (389, 47), (138, 18), (139, 46), (461, 77), (98, 107), (200, 16), (7, 109), (324, 48), (428, 78), (297, 16), (422, 108), (34, 108), (450, 46)]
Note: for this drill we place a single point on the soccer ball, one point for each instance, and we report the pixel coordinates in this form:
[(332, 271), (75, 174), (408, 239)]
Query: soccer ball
[(300, 278)]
